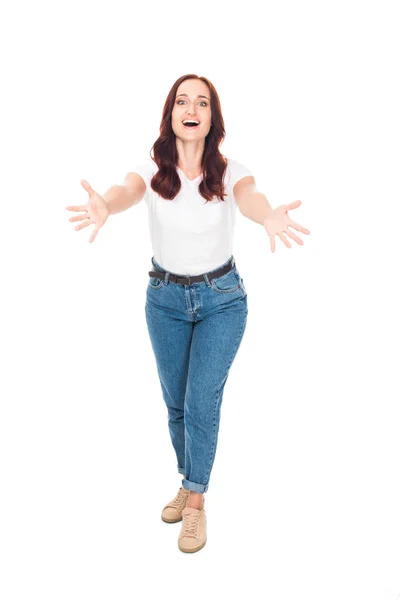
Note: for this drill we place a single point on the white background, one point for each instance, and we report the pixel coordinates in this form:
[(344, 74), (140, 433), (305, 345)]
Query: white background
[(304, 494)]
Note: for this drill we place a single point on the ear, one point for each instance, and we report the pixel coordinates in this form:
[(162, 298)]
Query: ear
[(243, 188)]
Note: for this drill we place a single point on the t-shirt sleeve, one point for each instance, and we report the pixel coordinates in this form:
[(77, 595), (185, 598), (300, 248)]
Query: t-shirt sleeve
[(146, 170), (236, 172)]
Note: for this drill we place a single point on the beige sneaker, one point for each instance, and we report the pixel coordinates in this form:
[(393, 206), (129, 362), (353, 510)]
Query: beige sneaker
[(193, 535), (172, 512)]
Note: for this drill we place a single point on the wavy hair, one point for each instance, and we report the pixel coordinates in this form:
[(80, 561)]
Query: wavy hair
[(166, 182)]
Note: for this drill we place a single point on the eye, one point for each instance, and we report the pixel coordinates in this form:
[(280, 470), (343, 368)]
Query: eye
[(202, 102)]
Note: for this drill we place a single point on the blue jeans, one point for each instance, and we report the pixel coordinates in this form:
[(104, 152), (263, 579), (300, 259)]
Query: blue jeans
[(195, 331)]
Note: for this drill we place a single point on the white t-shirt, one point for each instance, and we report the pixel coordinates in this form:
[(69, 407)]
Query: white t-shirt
[(189, 235)]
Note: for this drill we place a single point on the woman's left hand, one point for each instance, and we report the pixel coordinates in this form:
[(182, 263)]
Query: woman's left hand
[(277, 222)]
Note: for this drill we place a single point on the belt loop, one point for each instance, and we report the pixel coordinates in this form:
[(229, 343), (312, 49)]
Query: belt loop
[(233, 261), (166, 277), (206, 279)]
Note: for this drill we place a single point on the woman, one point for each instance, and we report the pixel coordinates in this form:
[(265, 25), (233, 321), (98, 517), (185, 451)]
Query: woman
[(196, 304)]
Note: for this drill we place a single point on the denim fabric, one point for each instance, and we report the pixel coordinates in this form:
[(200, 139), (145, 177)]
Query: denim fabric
[(195, 331)]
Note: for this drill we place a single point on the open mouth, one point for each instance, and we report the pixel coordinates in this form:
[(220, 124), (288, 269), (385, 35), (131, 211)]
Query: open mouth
[(191, 124)]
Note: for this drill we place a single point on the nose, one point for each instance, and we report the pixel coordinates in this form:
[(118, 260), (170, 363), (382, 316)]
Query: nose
[(192, 109)]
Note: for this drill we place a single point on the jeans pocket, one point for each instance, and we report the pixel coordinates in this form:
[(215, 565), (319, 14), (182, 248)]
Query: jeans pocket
[(156, 283), (227, 283)]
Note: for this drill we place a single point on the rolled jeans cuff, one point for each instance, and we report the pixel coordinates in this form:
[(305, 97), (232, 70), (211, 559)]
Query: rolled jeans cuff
[(194, 487)]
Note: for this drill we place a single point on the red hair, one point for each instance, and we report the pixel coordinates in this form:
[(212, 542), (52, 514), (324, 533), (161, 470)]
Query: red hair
[(166, 182)]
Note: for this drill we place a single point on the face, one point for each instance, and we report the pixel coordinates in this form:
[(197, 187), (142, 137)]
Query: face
[(192, 102)]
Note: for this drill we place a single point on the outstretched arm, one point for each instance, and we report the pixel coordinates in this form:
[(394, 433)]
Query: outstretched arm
[(254, 205)]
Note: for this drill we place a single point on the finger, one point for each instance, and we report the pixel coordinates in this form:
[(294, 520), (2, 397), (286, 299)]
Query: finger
[(294, 204), (79, 217), (82, 225), (284, 240), (298, 227), (76, 208), (87, 186), (294, 237)]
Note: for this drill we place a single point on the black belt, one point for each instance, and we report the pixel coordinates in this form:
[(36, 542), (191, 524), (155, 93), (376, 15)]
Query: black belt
[(192, 278)]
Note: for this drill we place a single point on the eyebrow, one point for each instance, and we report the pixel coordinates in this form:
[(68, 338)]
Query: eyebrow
[(197, 96)]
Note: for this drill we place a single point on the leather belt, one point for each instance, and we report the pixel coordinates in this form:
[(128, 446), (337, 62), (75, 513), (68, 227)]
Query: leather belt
[(183, 280)]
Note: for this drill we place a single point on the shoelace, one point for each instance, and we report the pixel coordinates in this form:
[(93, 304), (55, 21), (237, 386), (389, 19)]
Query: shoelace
[(190, 522), (180, 498)]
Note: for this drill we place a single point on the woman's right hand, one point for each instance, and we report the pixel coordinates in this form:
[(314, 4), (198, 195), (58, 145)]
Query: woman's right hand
[(96, 211)]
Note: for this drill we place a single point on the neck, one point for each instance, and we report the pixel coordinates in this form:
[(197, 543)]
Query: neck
[(190, 156)]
